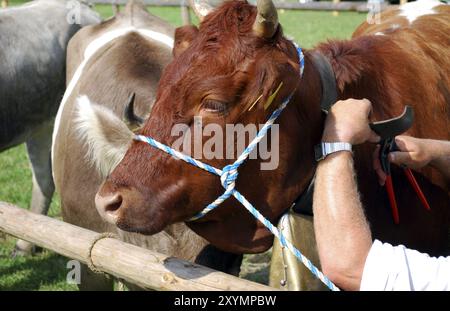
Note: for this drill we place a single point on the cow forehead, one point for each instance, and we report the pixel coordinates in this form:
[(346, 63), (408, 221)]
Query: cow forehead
[(203, 62), (224, 46)]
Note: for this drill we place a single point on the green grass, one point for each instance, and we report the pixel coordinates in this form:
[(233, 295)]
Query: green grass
[(47, 271), (307, 28), (15, 177)]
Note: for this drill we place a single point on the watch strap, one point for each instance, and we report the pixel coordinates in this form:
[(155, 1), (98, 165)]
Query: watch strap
[(323, 149)]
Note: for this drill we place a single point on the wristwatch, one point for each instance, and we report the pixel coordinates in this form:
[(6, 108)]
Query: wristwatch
[(322, 150)]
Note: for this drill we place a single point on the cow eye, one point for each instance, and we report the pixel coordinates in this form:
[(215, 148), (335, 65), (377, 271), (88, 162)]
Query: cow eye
[(215, 106)]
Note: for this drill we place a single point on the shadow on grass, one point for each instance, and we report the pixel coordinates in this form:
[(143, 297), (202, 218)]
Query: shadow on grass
[(256, 267), (43, 271), (260, 276)]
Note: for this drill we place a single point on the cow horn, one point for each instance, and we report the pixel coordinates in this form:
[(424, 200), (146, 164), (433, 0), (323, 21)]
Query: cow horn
[(266, 22), (130, 117), (201, 8)]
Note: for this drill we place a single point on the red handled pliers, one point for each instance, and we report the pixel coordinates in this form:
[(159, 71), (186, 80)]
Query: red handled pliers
[(387, 130)]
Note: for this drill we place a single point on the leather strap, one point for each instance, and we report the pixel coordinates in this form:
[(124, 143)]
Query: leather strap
[(303, 204), (328, 80)]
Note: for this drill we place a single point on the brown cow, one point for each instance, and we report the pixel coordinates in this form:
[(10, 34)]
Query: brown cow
[(238, 54), (108, 62)]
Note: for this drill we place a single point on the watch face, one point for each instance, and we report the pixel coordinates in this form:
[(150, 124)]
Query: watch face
[(318, 153)]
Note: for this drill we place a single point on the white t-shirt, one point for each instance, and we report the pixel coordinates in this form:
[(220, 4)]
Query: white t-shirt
[(398, 268)]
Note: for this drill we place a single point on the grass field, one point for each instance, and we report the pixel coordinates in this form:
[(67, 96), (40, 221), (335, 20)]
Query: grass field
[(46, 271)]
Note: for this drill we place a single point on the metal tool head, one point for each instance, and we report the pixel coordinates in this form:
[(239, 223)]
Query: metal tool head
[(395, 126)]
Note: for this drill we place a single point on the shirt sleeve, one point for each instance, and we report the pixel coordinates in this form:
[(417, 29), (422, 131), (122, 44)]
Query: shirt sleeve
[(400, 269)]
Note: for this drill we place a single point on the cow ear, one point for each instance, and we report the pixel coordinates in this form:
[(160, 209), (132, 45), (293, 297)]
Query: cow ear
[(133, 121), (183, 37), (106, 136)]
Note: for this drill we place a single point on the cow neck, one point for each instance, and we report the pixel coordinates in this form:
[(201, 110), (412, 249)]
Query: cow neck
[(303, 203)]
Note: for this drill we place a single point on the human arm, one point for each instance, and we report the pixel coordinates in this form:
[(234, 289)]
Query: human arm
[(348, 256), (342, 232)]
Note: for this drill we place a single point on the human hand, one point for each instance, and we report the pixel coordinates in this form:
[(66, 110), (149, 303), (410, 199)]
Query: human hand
[(348, 121), (414, 153)]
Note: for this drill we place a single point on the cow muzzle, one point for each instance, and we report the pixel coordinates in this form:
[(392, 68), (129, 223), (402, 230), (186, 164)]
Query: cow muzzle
[(129, 210)]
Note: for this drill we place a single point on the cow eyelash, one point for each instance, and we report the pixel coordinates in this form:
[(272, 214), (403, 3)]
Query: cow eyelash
[(214, 106)]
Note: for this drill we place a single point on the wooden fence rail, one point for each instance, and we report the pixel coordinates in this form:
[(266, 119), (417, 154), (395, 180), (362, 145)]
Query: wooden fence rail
[(139, 266), (359, 6)]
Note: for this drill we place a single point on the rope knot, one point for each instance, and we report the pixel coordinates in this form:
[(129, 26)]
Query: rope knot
[(229, 176)]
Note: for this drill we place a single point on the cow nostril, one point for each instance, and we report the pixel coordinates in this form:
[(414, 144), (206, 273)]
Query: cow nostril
[(114, 204), (108, 206)]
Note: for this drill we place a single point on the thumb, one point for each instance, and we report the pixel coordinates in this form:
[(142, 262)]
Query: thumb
[(400, 141), (399, 157), (374, 138)]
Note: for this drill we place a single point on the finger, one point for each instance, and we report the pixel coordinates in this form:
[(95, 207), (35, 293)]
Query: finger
[(377, 167), (376, 156), (400, 141), (374, 138), (381, 176), (400, 158), (367, 106), (367, 102)]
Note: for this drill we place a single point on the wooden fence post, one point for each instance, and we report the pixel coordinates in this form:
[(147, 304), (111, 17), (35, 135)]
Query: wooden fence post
[(185, 14), (336, 13), (115, 8)]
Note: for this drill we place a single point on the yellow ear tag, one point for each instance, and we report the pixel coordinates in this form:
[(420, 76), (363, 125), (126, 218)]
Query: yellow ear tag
[(272, 97), (253, 105)]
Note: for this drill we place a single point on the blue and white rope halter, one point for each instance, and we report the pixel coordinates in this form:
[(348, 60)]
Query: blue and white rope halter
[(229, 174)]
